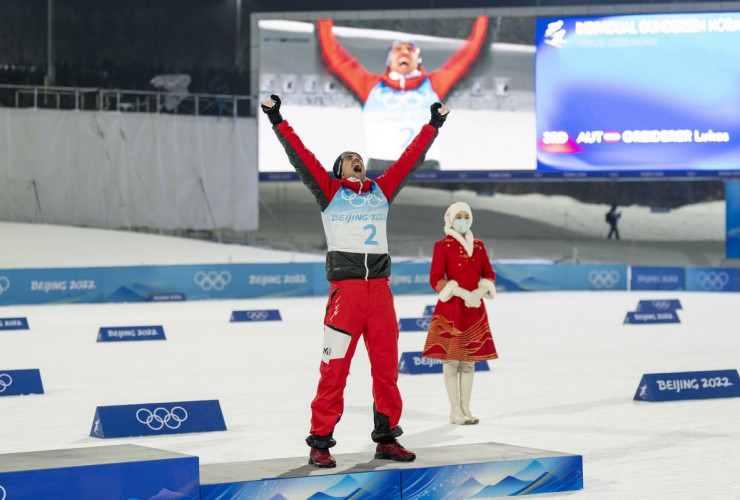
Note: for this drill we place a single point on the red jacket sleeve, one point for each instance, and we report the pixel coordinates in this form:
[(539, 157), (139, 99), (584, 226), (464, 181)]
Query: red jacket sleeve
[(487, 271), (311, 172), (342, 64), (411, 159), (439, 264), (445, 77)]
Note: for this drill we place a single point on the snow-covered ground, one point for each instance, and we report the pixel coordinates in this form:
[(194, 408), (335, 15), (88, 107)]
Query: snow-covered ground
[(565, 380), (46, 245)]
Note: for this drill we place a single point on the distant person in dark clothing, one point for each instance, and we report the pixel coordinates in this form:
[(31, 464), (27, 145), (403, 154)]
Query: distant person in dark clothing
[(612, 218)]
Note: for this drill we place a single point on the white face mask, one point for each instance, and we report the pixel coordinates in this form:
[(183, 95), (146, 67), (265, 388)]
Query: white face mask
[(461, 225)]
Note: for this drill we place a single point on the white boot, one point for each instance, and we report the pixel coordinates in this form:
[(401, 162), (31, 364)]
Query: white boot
[(449, 373), (467, 371)]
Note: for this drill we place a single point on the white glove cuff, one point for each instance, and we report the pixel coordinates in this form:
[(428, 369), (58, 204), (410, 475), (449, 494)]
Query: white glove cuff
[(489, 288), (448, 291), (468, 297)]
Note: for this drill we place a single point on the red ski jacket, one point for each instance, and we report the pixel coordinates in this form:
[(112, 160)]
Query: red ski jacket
[(361, 81)]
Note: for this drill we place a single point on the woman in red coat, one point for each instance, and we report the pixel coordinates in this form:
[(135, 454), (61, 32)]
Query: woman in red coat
[(459, 333)]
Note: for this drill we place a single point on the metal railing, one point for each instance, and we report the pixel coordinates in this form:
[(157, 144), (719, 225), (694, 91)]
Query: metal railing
[(132, 101)]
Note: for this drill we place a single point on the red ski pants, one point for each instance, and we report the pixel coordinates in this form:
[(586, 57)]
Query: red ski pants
[(357, 308)]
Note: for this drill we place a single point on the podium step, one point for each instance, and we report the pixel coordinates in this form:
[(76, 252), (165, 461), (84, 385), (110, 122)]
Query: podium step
[(99, 473), (486, 470)]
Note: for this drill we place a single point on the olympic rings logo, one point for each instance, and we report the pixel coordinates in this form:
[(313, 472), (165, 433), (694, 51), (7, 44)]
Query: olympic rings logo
[(660, 305), (212, 280), (603, 279), (162, 417), (713, 280), (2, 493), (360, 200), (394, 99), (423, 323), (257, 315), (5, 381), (4, 285)]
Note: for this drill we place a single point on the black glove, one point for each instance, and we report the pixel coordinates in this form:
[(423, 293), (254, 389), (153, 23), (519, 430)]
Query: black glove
[(438, 119), (273, 113)]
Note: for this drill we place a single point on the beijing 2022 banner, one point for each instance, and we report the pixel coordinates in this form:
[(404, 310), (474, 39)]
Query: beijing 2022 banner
[(638, 92)]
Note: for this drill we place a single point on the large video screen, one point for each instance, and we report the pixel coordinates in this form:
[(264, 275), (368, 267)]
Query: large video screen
[(367, 86), (638, 92)]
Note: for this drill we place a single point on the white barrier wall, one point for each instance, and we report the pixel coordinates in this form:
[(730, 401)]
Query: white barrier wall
[(119, 170)]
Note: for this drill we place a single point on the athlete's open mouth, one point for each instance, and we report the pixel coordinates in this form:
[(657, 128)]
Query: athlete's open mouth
[(357, 168)]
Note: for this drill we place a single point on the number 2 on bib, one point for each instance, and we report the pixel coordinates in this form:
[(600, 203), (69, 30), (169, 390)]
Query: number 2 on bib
[(371, 238)]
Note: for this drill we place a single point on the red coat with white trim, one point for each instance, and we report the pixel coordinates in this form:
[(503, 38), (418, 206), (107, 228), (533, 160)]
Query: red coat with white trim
[(458, 332)]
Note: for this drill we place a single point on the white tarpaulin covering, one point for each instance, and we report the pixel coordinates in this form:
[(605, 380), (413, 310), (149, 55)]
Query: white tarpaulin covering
[(114, 170)]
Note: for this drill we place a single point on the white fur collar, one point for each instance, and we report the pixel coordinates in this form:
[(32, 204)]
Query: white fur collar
[(465, 240)]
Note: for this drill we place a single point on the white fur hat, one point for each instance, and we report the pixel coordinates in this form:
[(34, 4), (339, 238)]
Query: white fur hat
[(454, 209)]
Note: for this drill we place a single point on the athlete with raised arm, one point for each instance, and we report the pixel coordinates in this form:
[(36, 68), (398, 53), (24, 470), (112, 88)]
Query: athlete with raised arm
[(354, 210), (395, 101)]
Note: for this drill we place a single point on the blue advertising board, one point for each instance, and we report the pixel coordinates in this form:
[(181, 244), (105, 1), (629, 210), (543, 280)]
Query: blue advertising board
[(141, 283), (13, 324), (712, 279), (256, 315), (732, 219), (154, 419), (413, 363), (429, 310), (657, 387), (127, 333), (410, 278), (658, 278), (414, 324), (246, 281), (651, 317), (20, 382), (547, 277), (659, 305)]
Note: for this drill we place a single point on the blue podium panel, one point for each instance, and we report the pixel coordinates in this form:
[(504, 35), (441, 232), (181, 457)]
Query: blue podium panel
[(482, 470), (152, 419), (99, 473), (13, 324), (514, 478), (380, 485), (651, 318), (19, 382), (414, 363), (126, 333), (429, 311), (688, 385), (414, 324), (658, 305), (257, 315)]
